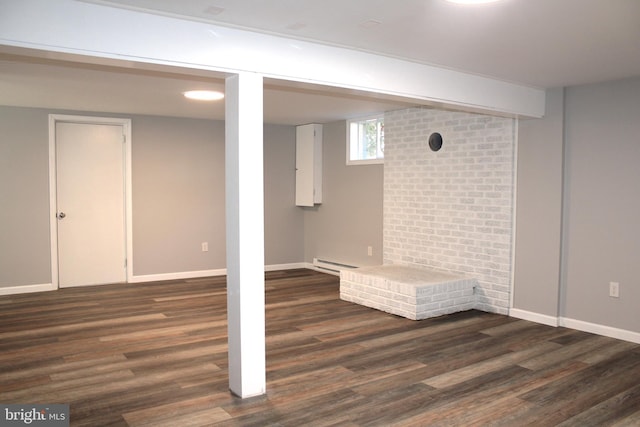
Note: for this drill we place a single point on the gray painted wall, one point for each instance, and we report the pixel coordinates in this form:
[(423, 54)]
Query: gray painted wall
[(602, 203), (178, 196), (539, 210), (601, 238), (284, 222), (24, 197), (350, 216), (578, 205)]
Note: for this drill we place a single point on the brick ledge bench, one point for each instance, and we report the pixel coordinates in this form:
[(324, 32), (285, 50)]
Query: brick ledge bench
[(410, 292)]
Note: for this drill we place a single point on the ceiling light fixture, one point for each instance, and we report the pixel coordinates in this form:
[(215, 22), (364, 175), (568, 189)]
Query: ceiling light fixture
[(296, 26), (204, 95), (472, 1), (214, 10), (369, 23)]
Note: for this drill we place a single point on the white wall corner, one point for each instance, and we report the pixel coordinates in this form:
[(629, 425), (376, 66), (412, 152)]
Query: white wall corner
[(534, 317), (579, 325)]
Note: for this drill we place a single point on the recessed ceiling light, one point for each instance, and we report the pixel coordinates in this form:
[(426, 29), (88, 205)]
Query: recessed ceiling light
[(370, 23), (204, 95), (472, 1), (214, 10), (296, 26)]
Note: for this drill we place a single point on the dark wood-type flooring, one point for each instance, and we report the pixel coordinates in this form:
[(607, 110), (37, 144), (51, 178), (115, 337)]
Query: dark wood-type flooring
[(155, 354)]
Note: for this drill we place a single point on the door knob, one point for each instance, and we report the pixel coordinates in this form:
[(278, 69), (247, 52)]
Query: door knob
[(61, 215)]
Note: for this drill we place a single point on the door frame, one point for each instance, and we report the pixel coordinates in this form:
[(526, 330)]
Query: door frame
[(53, 196)]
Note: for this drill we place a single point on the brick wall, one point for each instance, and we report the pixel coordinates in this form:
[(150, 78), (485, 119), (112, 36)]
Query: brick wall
[(451, 210)]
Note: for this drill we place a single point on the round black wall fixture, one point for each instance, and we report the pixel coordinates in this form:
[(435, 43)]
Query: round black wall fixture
[(435, 141)]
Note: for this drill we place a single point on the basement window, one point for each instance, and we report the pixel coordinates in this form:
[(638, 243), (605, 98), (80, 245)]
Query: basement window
[(365, 140)]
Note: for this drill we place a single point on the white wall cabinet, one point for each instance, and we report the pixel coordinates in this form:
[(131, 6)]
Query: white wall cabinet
[(308, 165)]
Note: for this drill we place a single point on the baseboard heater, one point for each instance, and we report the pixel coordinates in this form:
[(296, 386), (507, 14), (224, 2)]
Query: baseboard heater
[(331, 267)]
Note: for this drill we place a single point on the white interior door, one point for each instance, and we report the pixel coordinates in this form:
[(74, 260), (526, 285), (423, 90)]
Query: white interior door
[(90, 204)]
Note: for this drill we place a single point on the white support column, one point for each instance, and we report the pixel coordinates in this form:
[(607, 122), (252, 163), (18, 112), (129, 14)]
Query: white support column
[(245, 234)]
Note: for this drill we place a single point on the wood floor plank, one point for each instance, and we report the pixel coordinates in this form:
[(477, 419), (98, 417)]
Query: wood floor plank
[(154, 354), (203, 410), (616, 408), (611, 375), (473, 394), (524, 338), (465, 415), (487, 366), (632, 420), (557, 402), (493, 405), (607, 352), (201, 417), (569, 351), (65, 328)]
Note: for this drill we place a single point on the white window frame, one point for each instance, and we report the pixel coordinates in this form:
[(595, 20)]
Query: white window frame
[(378, 160)]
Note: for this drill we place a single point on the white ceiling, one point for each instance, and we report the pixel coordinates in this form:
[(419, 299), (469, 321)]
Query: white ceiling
[(541, 43)]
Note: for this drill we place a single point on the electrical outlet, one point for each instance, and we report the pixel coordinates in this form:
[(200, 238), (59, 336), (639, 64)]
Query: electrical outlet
[(369, 251), (205, 246), (614, 289)]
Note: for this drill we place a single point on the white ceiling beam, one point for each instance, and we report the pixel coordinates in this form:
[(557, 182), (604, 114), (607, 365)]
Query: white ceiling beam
[(78, 28)]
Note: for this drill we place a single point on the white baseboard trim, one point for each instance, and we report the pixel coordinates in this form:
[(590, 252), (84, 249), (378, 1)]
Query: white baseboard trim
[(206, 273), (177, 276), (579, 325), (24, 289), (607, 331), (292, 266), (534, 317)]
